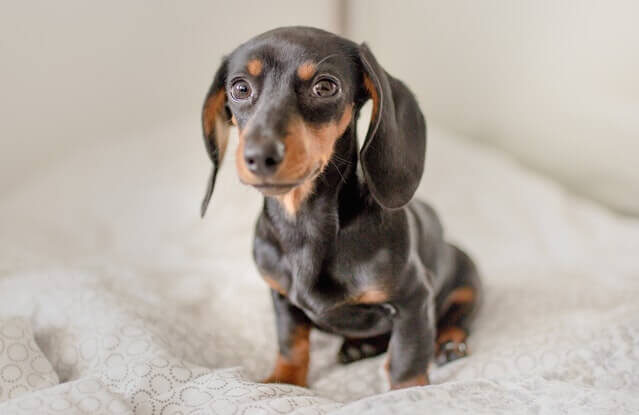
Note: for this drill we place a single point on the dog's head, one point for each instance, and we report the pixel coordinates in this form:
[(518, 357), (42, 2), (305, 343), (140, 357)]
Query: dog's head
[(293, 92)]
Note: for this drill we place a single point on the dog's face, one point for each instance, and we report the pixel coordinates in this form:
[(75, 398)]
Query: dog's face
[(292, 93)]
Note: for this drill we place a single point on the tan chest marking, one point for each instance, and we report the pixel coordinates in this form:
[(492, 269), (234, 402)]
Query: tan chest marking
[(372, 296)]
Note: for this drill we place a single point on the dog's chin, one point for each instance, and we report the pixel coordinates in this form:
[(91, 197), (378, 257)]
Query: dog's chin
[(274, 189), (281, 188)]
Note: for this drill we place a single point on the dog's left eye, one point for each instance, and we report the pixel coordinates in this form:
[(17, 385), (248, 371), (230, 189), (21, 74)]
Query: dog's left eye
[(325, 88)]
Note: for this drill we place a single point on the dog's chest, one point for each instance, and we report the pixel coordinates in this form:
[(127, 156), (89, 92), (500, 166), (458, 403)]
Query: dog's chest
[(337, 299), (337, 285), (341, 269)]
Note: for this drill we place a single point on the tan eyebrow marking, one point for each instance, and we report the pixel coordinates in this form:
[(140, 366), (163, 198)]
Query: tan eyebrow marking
[(306, 70), (254, 67)]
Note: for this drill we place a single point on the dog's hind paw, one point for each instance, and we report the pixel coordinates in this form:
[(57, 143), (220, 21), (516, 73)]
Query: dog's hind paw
[(353, 350), (450, 351)]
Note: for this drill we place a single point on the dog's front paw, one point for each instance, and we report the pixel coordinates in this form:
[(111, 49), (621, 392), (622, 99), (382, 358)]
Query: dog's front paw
[(285, 372), (420, 380)]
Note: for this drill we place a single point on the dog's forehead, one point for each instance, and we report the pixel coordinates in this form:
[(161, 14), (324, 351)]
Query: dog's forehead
[(291, 47)]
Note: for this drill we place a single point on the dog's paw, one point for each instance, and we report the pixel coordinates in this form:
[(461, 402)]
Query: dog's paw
[(290, 379), (451, 350), (353, 350)]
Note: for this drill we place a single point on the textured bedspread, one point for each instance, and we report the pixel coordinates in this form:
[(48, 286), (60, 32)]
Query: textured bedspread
[(116, 298)]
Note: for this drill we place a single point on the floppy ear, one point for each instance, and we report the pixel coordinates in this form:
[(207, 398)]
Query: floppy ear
[(215, 125), (393, 153)]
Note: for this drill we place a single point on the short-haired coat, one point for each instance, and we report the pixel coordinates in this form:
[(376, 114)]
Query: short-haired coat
[(339, 241)]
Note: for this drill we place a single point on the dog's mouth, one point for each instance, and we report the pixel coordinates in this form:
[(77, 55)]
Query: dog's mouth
[(275, 188)]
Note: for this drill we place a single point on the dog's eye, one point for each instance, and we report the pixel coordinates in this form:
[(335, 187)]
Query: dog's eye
[(241, 90), (325, 88)]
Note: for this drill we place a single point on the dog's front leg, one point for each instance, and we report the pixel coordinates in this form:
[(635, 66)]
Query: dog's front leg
[(293, 330), (412, 341)]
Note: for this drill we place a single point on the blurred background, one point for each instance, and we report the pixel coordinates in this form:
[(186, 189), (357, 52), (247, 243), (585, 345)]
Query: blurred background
[(553, 83)]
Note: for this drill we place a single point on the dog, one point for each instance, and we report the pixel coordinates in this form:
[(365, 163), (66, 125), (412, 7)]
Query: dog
[(339, 241)]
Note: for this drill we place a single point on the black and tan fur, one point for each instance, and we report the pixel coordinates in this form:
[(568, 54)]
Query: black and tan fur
[(339, 241)]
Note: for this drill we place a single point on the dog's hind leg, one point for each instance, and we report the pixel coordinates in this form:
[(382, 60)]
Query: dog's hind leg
[(457, 304)]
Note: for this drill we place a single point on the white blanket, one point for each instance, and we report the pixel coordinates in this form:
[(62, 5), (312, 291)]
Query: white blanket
[(137, 305)]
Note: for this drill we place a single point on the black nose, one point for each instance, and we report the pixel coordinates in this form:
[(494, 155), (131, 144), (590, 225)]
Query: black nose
[(262, 159)]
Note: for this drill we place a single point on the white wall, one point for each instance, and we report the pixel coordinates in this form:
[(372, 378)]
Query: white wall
[(73, 71), (554, 82)]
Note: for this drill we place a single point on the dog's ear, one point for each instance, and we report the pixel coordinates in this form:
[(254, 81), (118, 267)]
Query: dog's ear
[(216, 119), (394, 151)]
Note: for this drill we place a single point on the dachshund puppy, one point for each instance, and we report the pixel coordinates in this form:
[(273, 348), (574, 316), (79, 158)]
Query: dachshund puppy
[(339, 241)]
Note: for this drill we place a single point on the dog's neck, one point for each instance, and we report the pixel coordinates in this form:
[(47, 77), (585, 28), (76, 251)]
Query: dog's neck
[(337, 197)]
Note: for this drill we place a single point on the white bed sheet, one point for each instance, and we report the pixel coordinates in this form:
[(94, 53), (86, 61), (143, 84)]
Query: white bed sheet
[(137, 305)]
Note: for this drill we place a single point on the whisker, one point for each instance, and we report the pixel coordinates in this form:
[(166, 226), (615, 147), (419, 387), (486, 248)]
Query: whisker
[(339, 172), (342, 159), (326, 57)]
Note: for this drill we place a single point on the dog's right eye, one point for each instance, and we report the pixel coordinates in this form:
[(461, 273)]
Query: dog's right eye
[(241, 90)]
